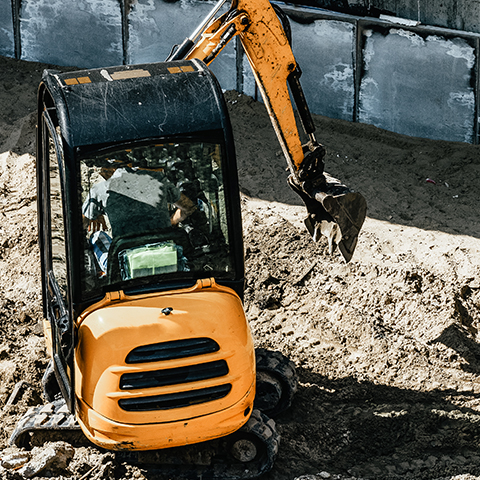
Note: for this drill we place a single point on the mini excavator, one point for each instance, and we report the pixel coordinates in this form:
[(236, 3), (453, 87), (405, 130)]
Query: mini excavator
[(142, 254)]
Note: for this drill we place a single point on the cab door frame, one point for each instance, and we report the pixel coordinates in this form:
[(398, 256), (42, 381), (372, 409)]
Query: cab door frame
[(57, 308)]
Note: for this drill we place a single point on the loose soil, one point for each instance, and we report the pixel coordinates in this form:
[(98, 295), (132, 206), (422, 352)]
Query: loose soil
[(386, 346)]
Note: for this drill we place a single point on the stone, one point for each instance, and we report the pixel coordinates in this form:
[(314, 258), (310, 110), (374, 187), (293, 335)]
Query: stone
[(54, 456), (15, 459)]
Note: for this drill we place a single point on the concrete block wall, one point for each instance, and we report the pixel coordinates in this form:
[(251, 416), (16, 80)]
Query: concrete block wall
[(416, 80), (453, 14), (412, 79)]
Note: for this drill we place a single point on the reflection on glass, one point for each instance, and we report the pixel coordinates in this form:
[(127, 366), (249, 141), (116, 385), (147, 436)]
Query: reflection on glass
[(154, 210)]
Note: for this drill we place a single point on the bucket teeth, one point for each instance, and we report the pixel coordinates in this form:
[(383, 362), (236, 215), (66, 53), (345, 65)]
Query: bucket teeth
[(334, 210)]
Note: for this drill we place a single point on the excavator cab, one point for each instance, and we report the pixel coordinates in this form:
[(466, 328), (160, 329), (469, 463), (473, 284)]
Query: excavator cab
[(109, 179), (143, 275)]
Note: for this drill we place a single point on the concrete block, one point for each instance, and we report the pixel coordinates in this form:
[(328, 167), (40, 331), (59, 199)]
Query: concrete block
[(249, 80), (7, 42), (418, 86), (155, 26), (54, 456), (410, 9), (324, 50), (81, 33), (456, 14)]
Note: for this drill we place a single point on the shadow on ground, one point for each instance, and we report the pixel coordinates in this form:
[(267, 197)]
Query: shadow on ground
[(376, 431)]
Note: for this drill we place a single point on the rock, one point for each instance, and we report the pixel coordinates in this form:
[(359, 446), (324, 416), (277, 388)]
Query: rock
[(17, 392), (54, 457), (14, 459)]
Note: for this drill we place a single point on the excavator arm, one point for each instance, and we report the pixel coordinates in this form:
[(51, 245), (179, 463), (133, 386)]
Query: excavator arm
[(334, 210)]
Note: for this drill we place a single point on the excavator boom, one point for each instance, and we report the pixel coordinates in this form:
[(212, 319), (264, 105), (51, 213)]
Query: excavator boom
[(334, 210)]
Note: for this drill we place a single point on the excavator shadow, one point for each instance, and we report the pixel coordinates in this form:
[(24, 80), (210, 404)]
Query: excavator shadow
[(352, 428), (363, 429)]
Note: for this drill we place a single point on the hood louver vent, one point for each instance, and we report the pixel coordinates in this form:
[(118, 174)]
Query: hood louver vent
[(181, 377), (173, 376), (175, 400), (157, 352)]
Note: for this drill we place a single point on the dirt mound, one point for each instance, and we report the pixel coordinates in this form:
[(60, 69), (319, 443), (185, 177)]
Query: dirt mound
[(386, 346)]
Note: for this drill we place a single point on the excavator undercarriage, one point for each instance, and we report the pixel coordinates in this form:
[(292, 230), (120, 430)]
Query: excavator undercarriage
[(247, 453)]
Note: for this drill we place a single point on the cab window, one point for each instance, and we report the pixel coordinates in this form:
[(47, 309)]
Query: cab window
[(153, 211)]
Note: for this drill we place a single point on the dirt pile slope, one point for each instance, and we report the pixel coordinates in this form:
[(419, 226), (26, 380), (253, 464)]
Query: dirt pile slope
[(386, 346)]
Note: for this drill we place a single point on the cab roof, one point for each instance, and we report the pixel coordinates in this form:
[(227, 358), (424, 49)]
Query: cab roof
[(129, 103)]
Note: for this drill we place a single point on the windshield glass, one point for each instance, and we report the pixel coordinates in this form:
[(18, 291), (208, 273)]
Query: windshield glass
[(153, 213)]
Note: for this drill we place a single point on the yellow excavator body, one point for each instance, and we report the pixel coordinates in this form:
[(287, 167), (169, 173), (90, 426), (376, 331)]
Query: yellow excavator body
[(133, 393)]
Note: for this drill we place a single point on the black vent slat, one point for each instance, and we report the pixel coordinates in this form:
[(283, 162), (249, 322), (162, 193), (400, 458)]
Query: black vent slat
[(174, 376), (175, 400), (156, 352)]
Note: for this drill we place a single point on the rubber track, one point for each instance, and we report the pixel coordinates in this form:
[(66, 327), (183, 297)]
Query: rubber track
[(53, 416), (281, 367)]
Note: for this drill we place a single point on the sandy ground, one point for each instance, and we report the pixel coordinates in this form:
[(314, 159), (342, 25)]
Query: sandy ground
[(386, 346)]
